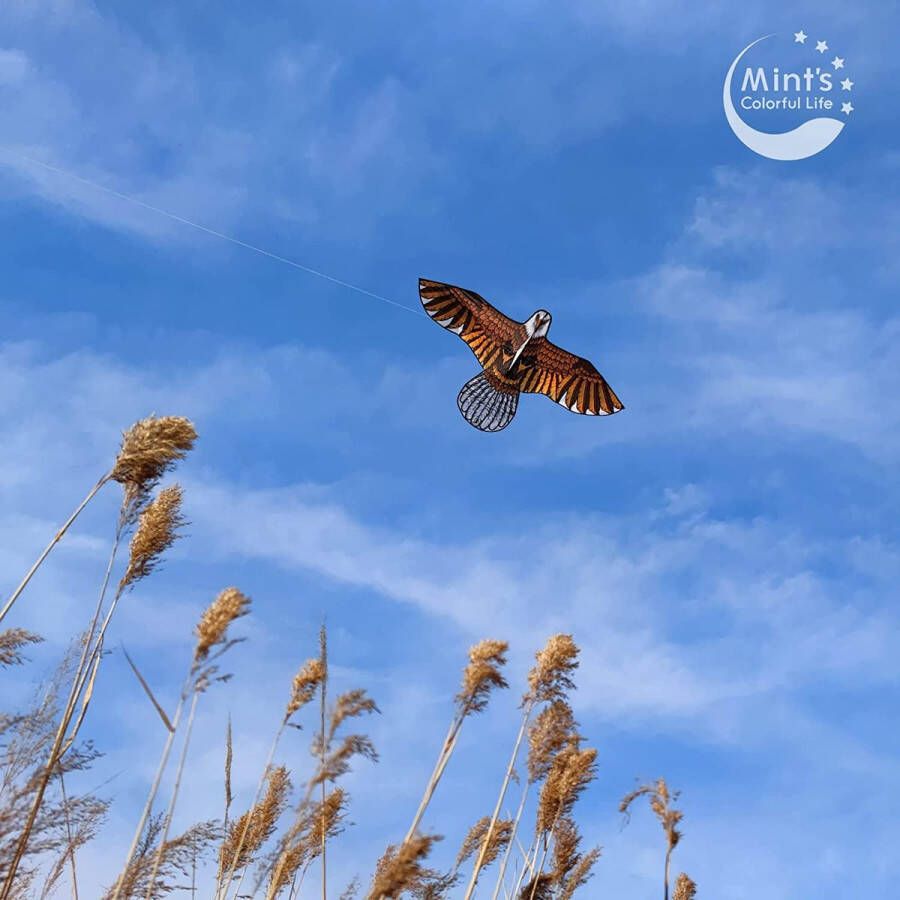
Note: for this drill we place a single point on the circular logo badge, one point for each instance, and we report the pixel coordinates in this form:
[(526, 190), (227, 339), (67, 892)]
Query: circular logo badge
[(803, 105)]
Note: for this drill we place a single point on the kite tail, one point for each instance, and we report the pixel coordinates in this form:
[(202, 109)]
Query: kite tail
[(483, 406)]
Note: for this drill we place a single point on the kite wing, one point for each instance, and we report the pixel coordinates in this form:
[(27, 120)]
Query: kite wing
[(482, 326), (567, 379)]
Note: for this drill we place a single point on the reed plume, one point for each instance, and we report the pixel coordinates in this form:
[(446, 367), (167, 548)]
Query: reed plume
[(305, 684), (571, 772), (400, 868), (685, 889), (551, 678), (250, 831), (549, 681), (485, 842), (12, 642), (150, 448), (144, 876), (157, 530), (539, 888), (553, 729), (212, 629), (571, 868), (661, 802), (323, 821), (481, 676)]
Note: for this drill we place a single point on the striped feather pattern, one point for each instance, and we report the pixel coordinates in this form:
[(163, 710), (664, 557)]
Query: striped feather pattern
[(486, 407), (489, 334), (569, 380)]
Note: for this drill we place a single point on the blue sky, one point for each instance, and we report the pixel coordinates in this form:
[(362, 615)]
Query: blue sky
[(725, 551)]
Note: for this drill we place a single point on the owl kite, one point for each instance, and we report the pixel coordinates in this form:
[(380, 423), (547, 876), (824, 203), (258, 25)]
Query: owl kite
[(515, 357)]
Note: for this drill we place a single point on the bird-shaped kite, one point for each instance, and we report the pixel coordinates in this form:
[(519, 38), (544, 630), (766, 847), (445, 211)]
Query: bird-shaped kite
[(515, 357)]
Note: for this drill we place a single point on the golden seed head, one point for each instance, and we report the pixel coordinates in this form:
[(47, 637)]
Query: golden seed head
[(565, 848), (553, 728), (212, 628), (551, 677), (323, 821), (661, 800), (151, 447), (500, 836), (572, 771), (327, 817), (12, 642), (482, 675), (157, 530), (538, 888), (350, 705), (580, 874), (473, 839), (305, 684), (247, 834), (685, 889), (399, 869), (337, 763)]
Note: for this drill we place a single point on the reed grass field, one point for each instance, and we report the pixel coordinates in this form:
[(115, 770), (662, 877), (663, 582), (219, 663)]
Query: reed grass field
[(524, 841)]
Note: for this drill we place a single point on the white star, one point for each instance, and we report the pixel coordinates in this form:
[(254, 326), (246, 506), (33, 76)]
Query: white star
[(846, 108), (800, 37), (846, 84), (838, 63), (821, 46)]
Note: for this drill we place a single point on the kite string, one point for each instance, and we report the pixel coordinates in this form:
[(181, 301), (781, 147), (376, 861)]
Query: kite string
[(207, 230)]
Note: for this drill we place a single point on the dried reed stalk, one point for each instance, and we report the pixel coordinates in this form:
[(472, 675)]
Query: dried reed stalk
[(212, 641), (480, 677), (570, 773), (79, 680), (661, 802), (324, 746), (10, 602), (178, 858), (333, 762), (229, 797), (303, 688), (548, 680), (167, 824), (63, 825)]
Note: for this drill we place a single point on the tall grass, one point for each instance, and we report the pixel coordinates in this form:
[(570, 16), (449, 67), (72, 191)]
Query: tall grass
[(278, 847)]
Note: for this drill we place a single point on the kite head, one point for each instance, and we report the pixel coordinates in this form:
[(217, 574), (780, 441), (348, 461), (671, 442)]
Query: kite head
[(539, 324)]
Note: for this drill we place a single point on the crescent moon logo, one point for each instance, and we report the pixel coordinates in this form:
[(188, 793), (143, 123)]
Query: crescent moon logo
[(801, 142)]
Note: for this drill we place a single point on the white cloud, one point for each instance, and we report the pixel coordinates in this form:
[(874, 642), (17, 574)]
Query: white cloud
[(161, 126)]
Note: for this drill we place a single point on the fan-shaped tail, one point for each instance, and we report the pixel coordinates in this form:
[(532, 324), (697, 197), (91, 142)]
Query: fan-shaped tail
[(483, 406)]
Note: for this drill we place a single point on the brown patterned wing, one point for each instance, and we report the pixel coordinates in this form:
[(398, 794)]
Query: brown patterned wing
[(567, 379), (489, 334)]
